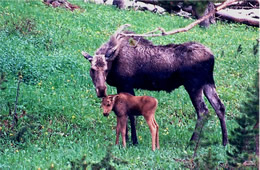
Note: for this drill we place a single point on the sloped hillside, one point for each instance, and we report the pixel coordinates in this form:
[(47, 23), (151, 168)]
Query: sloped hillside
[(59, 121)]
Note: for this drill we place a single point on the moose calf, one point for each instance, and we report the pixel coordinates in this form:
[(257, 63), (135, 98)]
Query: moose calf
[(124, 104)]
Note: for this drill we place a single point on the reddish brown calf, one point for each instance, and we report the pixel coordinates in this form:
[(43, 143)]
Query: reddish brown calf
[(124, 104)]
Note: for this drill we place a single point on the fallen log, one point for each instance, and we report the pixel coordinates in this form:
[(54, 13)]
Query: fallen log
[(61, 3), (248, 17)]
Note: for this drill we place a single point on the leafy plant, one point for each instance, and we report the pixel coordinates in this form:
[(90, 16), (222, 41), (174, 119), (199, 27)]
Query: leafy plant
[(105, 162), (203, 157), (244, 137)]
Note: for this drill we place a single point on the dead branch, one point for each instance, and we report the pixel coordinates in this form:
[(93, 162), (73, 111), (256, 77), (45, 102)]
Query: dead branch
[(185, 29), (61, 3), (15, 118)]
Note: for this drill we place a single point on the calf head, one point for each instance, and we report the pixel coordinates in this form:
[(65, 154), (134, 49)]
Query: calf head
[(107, 104)]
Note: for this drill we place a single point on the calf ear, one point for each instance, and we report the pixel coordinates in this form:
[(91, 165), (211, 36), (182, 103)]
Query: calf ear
[(87, 56), (111, 97), (115, 97)]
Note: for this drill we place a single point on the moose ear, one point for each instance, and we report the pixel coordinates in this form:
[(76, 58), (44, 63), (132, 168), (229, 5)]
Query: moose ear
[(87, 56), (113, 49), (110, 54)]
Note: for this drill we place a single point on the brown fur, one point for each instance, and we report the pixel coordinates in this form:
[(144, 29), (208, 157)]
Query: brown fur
[(125, 104)]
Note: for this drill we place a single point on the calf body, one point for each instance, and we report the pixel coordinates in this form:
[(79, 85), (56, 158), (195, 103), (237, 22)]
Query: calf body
[(124, 105)]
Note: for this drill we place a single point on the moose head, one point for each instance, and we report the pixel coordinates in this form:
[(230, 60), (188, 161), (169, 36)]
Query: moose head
[(101, 62), (98, 72)]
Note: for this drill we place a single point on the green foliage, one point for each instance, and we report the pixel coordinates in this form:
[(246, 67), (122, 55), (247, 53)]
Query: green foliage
[(207, 161), (243, 138), (59, 116), (203, 157), (200, 6), (105, 162)]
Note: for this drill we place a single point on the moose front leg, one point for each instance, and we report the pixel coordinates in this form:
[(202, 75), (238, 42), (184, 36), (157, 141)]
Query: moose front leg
[(133, 130)]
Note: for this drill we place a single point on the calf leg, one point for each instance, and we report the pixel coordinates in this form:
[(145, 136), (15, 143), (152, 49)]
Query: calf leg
[(152, 128), (132, 118), (212, 96), (157, 133), (123, 122), (117, 131), (200, 107), (126, 133)]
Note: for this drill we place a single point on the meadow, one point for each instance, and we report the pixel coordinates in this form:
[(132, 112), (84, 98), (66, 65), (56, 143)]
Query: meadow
[(60, 124)]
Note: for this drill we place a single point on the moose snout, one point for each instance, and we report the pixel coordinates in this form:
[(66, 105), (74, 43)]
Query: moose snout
[(106, 114), (101, 91)]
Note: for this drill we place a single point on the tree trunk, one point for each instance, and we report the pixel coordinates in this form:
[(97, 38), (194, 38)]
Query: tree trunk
[(169, 6), (209, 8), (119, 3)]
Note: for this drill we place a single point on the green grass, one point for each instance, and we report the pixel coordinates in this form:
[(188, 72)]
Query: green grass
[(63, 120)]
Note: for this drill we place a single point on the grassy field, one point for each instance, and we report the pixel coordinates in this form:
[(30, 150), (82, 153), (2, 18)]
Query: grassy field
[(63, 127)]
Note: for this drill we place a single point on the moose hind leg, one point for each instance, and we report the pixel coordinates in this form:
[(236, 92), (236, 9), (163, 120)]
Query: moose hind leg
[(212, 96), (198, 102)]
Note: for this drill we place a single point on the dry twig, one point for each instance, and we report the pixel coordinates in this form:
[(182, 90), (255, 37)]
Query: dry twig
[(15, 118)]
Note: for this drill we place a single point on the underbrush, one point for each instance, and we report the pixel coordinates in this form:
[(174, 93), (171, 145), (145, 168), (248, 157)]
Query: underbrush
[(59, 123)]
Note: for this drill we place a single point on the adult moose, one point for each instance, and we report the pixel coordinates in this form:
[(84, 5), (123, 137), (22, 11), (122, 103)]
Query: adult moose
[(129, 63)]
